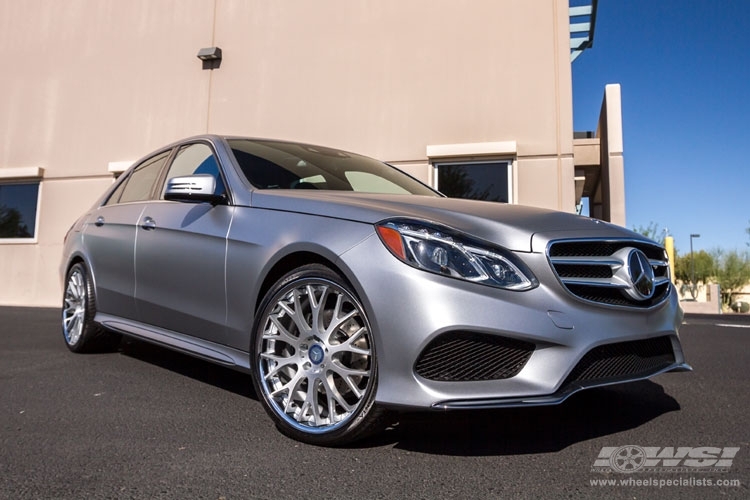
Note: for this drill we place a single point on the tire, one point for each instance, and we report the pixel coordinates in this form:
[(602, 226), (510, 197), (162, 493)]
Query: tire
[(80, 332), (313, 359)]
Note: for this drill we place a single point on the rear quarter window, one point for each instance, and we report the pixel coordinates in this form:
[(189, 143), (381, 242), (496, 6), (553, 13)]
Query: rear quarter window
[(140, 184)]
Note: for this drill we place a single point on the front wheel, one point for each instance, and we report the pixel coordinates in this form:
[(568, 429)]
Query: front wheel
[(79, 330), (313, 359)]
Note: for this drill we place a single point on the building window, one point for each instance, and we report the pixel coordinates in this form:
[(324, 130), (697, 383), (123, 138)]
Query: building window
[(19, 202), (486, 180)]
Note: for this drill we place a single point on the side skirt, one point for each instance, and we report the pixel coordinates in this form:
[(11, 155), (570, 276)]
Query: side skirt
[(199, 348)]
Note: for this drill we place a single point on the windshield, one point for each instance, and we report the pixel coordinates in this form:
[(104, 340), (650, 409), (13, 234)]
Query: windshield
[(285, 165)]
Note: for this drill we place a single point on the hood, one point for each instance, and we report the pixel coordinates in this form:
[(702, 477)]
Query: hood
[(511, 226)]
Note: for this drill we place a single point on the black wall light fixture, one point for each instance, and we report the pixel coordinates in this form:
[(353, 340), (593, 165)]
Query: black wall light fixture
[(211, 57)]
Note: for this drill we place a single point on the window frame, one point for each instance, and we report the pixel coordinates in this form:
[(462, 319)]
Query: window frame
[(509, 165)]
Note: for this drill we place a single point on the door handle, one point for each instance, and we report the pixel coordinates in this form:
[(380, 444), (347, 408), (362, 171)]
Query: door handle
[(99, 221), (148, 223)]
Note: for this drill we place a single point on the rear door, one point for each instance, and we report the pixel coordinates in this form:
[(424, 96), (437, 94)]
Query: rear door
[(109, 237)]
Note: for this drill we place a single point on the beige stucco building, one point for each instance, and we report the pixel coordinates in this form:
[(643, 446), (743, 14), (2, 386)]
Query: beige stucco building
[(88, 86)]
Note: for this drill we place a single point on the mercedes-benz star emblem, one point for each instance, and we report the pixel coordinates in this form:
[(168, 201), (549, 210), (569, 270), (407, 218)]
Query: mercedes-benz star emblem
[(316, 354), (641, 275)]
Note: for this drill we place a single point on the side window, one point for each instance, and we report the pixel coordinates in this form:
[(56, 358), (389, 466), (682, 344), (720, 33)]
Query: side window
[(140, 184), (114, 198), (196, 159)]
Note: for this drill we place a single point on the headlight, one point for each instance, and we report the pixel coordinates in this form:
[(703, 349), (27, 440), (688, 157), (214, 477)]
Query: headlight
[(447, 252)]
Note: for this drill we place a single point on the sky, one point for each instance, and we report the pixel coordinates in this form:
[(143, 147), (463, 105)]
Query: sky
[(684, 71)]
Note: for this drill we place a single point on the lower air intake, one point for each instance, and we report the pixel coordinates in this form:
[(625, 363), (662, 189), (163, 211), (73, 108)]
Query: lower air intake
[(469, 357), (623, 360)]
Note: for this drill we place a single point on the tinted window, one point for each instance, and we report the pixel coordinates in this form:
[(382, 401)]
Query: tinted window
[(140, 184), (18, 202), (370, 183), (115, 196), (285, 165), (476, 181), (196, 159)]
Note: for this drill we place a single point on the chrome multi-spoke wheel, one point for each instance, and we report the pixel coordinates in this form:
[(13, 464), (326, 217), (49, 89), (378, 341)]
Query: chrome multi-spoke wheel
[(74, 306), (314, 357), (80, 331)]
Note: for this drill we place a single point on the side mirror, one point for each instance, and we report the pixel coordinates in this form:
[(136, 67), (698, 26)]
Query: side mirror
[(193, 188)]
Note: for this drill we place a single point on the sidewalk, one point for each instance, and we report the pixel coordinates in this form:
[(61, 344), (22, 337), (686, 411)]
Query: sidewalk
[(728, 318)]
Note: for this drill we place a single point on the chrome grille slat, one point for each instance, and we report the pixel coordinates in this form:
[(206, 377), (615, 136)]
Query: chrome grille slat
[(593, 282), (592, 270), (593, 261)]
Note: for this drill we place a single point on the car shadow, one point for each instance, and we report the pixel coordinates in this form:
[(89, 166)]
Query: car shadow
[(189, 366), (512, 431), (519, 431)]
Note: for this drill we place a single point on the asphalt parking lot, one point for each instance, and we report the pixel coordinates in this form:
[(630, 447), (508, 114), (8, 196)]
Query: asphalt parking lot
[(144, 422)]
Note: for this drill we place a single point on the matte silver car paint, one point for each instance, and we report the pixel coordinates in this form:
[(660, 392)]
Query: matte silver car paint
[(109, 246), (192, 280), (185, 248), (509, 226), (255, 245), (424, 305)]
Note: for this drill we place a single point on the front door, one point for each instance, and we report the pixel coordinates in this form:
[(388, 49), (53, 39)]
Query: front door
[(180, 256)]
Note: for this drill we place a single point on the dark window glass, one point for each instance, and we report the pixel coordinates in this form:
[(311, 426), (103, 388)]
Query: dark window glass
[(18, 202), (287, 165), (475, 181), (196, 159), (114, 198), (140, 184)]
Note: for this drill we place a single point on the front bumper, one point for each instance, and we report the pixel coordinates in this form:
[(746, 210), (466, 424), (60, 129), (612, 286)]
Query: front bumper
[(553, 399), (408, 308)]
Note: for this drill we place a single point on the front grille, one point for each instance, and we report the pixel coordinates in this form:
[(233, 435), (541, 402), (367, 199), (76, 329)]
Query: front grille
[(468, 356), (583, 271), (595, 270), (602, 248), (624, 359)]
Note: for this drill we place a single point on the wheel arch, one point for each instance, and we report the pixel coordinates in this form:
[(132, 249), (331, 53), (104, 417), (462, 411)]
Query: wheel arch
[(67, 263), (75, 259), (79, 258), (291, 262)]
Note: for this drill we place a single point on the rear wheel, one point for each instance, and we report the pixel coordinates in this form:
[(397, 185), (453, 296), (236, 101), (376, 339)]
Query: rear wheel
[(79, 330), (313, 359)]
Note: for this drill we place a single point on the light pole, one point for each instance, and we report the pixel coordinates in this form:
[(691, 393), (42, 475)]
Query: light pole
[(692, 265)]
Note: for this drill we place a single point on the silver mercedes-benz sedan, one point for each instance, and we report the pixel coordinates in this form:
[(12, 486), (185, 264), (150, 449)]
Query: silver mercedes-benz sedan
[(348, 289)]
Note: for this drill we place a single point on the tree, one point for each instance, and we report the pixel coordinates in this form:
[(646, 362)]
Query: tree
[(12, 224), (732, 273), (705, 266), (652, 231)]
